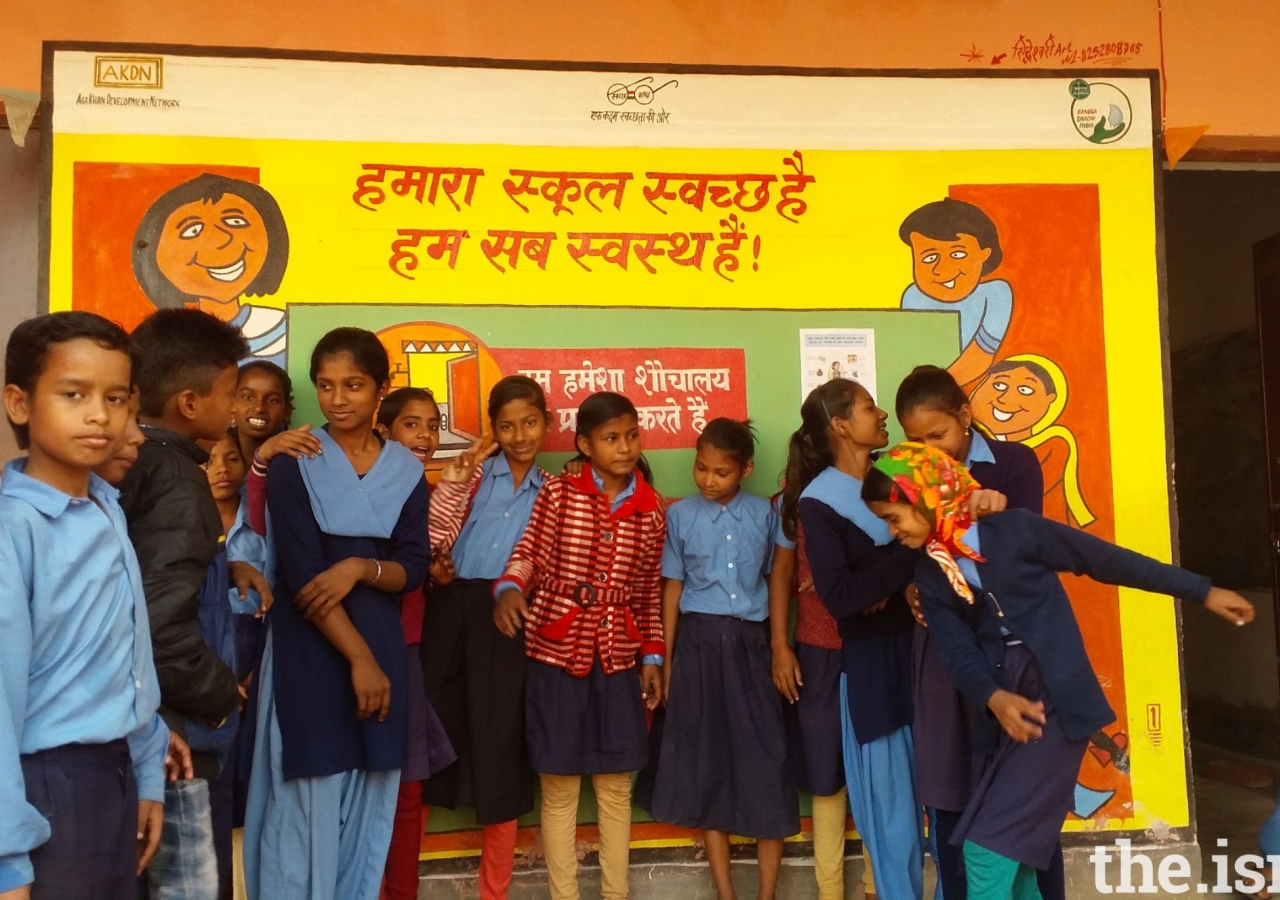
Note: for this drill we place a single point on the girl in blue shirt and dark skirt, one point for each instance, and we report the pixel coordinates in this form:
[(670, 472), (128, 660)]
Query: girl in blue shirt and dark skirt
[(350, 527), (723, 764), (1009, 639), (474, 674)]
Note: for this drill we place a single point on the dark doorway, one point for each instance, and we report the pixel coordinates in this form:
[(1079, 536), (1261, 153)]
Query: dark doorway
[(1213, 218)]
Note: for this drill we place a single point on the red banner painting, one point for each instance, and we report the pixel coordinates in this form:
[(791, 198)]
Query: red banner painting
[(677, 390)]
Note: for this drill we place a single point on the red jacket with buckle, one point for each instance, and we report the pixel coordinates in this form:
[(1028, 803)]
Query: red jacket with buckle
[(594, 576)]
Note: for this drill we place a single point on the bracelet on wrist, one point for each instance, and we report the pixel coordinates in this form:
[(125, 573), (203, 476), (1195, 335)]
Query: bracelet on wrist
[(376, 575)]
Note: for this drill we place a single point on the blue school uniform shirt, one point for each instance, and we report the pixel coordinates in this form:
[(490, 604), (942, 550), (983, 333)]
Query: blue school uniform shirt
[(498, 517), (76, 667), (722, 552), (984, 314), (246, 545)]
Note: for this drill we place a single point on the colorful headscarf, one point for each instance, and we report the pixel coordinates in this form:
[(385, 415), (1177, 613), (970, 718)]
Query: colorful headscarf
[(939, 487)]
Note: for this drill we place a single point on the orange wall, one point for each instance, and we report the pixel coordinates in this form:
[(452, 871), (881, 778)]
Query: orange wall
[(1219, 54)]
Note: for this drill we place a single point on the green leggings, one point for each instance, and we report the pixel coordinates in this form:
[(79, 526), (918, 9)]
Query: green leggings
[(995, 877)]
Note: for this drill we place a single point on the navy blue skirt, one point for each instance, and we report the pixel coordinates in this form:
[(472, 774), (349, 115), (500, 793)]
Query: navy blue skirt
[(941, 729), (814, 721), (584, 726), (724, 763), (1023, 792)]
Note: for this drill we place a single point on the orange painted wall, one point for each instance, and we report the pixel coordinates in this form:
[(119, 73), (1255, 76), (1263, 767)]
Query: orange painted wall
[(1218, 55)]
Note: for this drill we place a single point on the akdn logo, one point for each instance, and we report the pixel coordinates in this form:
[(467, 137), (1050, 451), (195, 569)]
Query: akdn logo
[(128, 72)]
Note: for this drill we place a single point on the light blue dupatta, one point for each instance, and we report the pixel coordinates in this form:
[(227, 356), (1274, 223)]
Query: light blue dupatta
[(347, 505), (843, 493)]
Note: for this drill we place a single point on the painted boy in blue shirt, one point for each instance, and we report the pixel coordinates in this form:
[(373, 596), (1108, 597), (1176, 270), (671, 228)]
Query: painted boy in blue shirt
[(954, 245), (79, 729)]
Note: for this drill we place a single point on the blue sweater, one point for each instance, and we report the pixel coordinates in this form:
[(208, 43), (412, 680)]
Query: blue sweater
[(315, 702), (850, 574), (1021, 592)]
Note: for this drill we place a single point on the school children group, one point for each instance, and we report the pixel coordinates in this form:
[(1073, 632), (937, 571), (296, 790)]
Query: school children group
[(288, 630)]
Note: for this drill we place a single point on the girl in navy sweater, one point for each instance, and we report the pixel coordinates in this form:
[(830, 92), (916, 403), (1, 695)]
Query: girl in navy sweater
[(350, 527), (860, 573), (1009, 639), (933, 409)]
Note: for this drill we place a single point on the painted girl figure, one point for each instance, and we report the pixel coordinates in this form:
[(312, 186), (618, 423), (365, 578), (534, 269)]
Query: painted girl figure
[(211, 242), (1021, 399)]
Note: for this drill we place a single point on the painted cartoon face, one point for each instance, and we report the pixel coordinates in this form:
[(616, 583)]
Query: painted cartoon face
[(947, 270), (213, 250), (1011, 402)]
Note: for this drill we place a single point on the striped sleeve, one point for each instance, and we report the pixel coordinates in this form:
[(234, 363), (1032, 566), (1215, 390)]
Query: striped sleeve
[(450, 504)]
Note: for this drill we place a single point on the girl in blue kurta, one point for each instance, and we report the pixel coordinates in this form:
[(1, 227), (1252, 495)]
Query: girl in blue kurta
[(933, 409), (350, 527), (859, 573), (1009, 639)]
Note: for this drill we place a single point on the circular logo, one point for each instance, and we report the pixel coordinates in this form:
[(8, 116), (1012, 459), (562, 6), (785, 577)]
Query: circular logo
[(1101, 112)]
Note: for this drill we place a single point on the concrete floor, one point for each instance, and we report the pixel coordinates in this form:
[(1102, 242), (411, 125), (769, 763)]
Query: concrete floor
[(1224, 812)]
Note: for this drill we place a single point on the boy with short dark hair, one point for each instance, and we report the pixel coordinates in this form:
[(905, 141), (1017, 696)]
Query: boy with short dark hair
[(82, 747), (187, 377)]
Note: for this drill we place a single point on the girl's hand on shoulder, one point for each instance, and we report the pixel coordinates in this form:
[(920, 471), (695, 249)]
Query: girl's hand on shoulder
[(330, 587), (1019, 717), (510, 612), (442, 569), (983, 502), (786, 673), (573, 468), (1230, 605), (372, 687), (651, 686), (913, 600), (463, 466), (296, 442)]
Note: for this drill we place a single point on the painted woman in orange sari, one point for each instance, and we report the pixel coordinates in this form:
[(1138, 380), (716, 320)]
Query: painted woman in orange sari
[(1021, 399)]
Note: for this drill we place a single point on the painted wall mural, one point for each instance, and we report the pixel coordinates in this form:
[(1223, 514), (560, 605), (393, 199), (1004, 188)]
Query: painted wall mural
[(669, 236)]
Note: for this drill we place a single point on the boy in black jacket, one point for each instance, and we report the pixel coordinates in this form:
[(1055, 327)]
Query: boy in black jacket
[(187, 376)]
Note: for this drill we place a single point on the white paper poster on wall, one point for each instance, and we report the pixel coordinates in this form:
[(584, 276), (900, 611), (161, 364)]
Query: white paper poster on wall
[(827, 353)]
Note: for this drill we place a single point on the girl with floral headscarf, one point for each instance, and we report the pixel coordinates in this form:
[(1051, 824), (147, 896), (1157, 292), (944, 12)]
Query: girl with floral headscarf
[(995, 606)]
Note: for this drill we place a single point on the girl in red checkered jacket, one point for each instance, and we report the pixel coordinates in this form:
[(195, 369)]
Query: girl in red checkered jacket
[(591, 559)]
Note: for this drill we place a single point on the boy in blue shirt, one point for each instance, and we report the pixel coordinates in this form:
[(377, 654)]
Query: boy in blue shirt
[(954, 247), (79, 729)]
